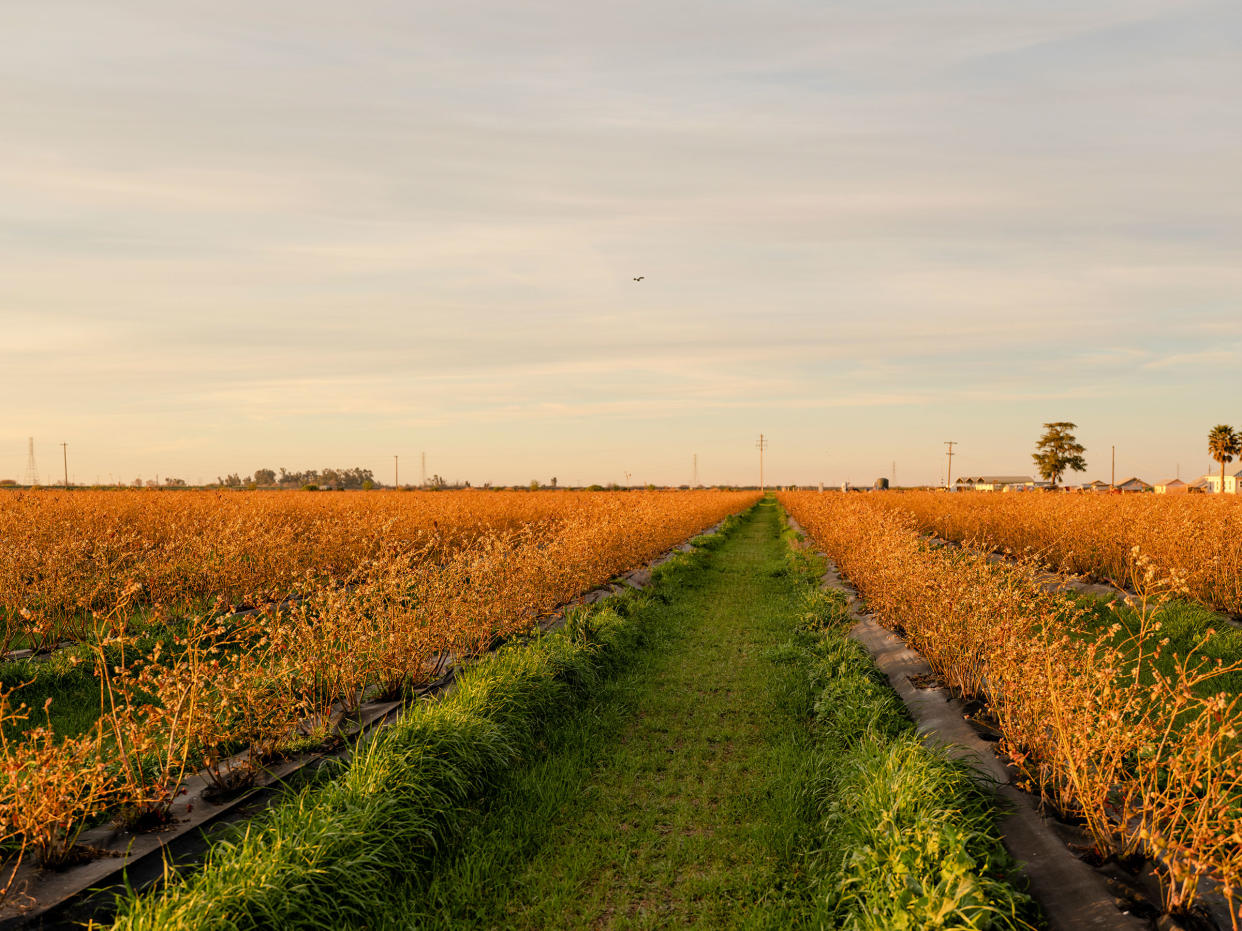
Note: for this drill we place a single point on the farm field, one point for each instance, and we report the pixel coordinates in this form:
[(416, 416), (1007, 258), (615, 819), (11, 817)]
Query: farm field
[(111, 724), (1189, 629), (701, 773), (1190, 542), (65, 556), (1130, 733), (712, 748)]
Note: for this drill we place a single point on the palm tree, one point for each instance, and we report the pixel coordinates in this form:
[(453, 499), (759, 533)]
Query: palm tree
[(1223, 444)]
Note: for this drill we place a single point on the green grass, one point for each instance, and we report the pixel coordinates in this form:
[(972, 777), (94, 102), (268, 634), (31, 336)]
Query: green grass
[(1194, 633), (67, 677), (672, 800), (906, 837), (73, 688)]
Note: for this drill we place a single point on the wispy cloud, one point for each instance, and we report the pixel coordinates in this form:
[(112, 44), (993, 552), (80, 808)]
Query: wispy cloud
[(1207, 357)]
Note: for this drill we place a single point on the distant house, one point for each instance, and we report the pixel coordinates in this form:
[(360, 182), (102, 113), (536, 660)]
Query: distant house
[(1174, 486), (1133, 484), (1097, 485), (1232, 481), (995, 483)]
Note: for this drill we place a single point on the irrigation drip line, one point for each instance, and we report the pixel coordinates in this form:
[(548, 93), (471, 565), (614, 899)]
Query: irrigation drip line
[(65, 899)]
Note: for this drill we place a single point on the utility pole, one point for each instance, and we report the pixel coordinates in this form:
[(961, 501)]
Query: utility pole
[(64, 448), (696, 471), (894, 479), (948, 482), (761, 446), (1112, 481), (423, 483), (396, 474)]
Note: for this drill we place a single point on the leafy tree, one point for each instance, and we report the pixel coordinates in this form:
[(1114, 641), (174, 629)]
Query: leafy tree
[(1223, 444), (264, 477), (1058, 450)]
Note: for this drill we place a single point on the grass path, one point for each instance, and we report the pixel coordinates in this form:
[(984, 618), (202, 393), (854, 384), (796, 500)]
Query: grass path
[(671, 802)]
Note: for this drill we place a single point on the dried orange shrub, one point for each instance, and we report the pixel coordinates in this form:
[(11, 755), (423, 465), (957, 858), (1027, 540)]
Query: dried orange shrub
[(417, 602), (65, 554), (411, 614), (47, 787), (1143, 759), (1195, 537)]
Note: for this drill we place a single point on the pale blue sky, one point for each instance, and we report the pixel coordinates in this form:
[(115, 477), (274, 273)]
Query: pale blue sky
[(236, 235)]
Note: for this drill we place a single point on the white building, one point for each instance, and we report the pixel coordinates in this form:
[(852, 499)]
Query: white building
[(995, 483), (1232, 480)]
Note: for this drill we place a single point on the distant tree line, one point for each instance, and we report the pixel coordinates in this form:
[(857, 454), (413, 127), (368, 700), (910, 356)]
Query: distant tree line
[(355, 477)]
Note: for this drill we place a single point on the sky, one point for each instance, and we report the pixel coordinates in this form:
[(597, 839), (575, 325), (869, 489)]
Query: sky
[(237, 235)]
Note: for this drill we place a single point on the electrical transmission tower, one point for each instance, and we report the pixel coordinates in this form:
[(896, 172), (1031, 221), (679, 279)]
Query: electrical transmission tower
[(32, 470), (695, 482), (423, 482)]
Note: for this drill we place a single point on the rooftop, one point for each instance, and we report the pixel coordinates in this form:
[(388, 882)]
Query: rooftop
[(995, 480)]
